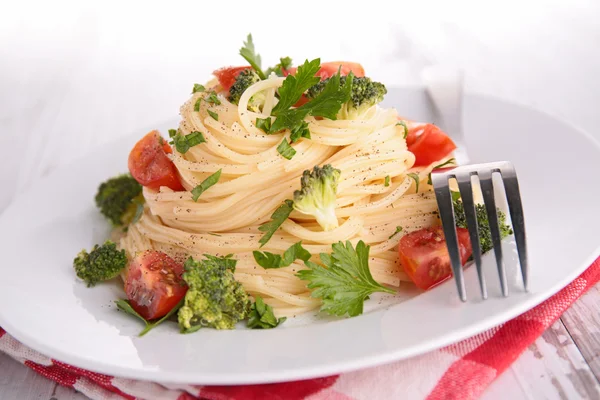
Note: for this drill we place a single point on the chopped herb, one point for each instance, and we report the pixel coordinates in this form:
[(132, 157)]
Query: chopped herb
[(300, 131), (125, 306), (345, 281), (198, 88), (262, 317), (172, 133), (277, 218), (286, 150), (264, 124), (213, 114), (269, 260), (416, 179), (450, 161), (184, 143), (250, 55), (386, 181), (398, 230), (213, 99), (447, 162), (207, 183), (197, 104), (455, 195), (403, 124), (214, 234)]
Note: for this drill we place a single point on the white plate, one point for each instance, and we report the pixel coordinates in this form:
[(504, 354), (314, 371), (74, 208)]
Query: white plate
[(45, 307)]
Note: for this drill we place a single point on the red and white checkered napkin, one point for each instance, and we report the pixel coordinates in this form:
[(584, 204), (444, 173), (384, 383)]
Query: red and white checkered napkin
[(460, 371)]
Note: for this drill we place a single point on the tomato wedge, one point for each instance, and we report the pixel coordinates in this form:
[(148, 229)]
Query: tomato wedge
[(149, 164), (154, 284), (329, 69), (428, 143), (227, 75), (424, 256)]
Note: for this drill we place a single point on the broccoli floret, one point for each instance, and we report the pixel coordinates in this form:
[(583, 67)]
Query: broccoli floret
[(485, 234), (102, 263), (119, 199), (214, 298), (243, 81), (318, 194), (365, 94)]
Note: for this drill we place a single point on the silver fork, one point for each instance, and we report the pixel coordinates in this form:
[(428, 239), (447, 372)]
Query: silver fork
[(445, 89), (464, 175)]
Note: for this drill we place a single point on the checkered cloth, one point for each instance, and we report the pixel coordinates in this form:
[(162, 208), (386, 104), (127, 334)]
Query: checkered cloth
[(460, 371)]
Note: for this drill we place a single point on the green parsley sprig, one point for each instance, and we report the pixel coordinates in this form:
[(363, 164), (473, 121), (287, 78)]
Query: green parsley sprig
[(344, 281), (269, 260)]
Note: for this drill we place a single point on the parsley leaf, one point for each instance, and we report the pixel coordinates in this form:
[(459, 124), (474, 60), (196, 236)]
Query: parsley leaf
[(125, 306), (197, 104), (264, 124), (213, 114), (261, 316), (300, 131), (184, 143), (250, 55), (277, 218), (213, 99), (402, 123), (416, 179), (269, 260), (398, 230), (198, 88), (207, 183), (327, 104), (295, 85), (286, 150), (172, 133), (345, 282), (386, 181)]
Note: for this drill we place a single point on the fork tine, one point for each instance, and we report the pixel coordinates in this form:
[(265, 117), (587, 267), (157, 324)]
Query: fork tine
[(466, 193), (515, 206), (487, 188), (444, 200)]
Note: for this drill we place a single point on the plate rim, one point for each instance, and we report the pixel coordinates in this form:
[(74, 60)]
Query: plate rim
[(333, 367)]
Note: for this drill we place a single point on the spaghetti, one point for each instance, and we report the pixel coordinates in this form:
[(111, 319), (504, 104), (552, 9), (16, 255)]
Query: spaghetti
[(375, 194)]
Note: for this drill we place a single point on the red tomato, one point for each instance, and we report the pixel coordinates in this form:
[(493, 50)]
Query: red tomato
[(329, 69), (424, 256), (149, 164), (154, 284), (227, 75), (428, 143)]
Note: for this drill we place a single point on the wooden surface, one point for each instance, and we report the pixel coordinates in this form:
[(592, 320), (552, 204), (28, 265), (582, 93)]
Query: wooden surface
[(74, 75)]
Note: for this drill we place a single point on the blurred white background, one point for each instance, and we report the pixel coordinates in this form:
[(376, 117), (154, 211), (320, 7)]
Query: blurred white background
[(77, 74)]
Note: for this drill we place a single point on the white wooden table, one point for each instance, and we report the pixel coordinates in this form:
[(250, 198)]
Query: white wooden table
[(73, 76)]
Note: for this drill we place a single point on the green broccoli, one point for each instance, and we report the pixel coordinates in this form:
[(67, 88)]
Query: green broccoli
[(214, 298), (243, 81), (365, 94), (120, 199), (318, 195), (485, 234), (102, 263)]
